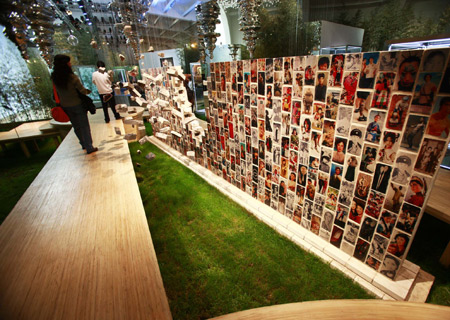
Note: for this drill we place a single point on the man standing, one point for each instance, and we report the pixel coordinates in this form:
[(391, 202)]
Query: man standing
[(101, 80)]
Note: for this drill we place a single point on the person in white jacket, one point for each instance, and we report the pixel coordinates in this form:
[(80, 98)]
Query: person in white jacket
[(101, 80)]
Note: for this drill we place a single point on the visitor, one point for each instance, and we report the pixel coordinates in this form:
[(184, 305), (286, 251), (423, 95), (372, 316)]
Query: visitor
[(68, 86), (101, 80)]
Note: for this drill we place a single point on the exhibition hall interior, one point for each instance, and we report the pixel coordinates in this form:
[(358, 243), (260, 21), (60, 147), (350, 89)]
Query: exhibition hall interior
[(225, 159)]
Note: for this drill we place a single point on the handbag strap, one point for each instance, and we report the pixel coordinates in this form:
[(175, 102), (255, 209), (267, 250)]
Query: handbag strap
[(55, 94)]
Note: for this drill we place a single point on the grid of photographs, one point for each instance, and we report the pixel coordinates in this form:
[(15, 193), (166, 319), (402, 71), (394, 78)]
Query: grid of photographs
[(345, 145)]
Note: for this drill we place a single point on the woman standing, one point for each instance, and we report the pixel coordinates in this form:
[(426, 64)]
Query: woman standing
[(67, 84)]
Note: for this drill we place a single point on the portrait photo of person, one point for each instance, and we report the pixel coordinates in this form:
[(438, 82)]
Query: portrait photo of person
[(429, 156), (434, 60), (374, 204), (415, 128), (373, 263), (368, 158), (361, 249), (362, 187), (335, 176), (388, 60), (369, 69), (425, 92), (344, 121), (362, 106), (417, 191), (298, 85), (332, 104), (439, 124), (349, 86), (336, 70), (390, 267), (355, 142), (375, 126), (331, 200), (398, 244), (321, 86), (351, 232), (389, 146), (325, 160), (408, 217), (379, 246), (386, 223), (381, 177), (403, 167), (340, 145), (351, 168), (318, 115), (336, 236), (398, 109), (394, 197), (341, 215), (346, 193), (408, 70)]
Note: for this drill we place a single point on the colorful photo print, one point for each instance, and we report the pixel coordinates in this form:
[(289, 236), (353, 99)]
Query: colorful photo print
[(340, 146), (369, 69), (336, 236), (408, 70), (434, 60), (397, 111), (375, 126), (296, 112), (379, 246), (299, 63), (335, 176), (305, 128), (415, 128), (362, 107), (328, 133), (388, 60), (394, 197), (390, 266), (361, 250), (356, 210), (297, 215), (308, 99), (351, 168), (315, 143), (430, 152), (336, 70), (356, 140), (408, 217), (331, 200), (386, 223), (373, 263), (318, 115), (323, 63), (381, 177), (341, 215), (425, 92), (383, 90), (287, 67), (349, 88), (398, 244), (321, 86), (439, 124), (417, 190), (389, 147), (368, 158), (298, 85), (322, 181)]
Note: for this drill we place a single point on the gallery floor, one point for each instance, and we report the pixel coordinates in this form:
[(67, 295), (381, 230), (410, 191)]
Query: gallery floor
[(77, 244)]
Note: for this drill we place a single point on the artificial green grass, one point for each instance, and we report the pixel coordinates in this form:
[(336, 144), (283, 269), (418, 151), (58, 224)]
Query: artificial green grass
[(215, 257), (428, 245), (17, 172)]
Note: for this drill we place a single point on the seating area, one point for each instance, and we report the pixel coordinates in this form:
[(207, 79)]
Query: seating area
[(77, 244)]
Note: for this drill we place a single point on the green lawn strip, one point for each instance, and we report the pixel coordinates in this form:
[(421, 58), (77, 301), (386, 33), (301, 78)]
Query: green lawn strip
[(215, 257), (17, 172), (428, 245)]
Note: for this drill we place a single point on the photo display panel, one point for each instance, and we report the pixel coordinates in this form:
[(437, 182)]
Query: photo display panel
[(345, 145)]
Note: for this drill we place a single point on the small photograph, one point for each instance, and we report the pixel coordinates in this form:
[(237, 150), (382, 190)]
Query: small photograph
[(308, 99), (310, 75), (341, 215), (439, 124), (254, 70), (328, 133), (346, 193), (247, 82), (394, 197), (356, 140), (337, 70), (383, 90), (276, 132), (261, 64), (331, 200), (373, 263), (282, 205), (321, 86), (351, 232), (299, 195), (362, 106), (297, 216), (379, 246), (290, 201), (275, 174), (368, 158), (417, 191), (381, 177), (302, 174), (340, 146), (319, 202), (322, 182), (352, 165), (318, 114), (303, 153), (353, 61), (293, 160), (327, 220), (294, 139), (261, 130), (310, 189), (397, 111), (284, 167), (299, 63), (363, 185), (434, 60), (325, 160), (415, 128), (389, 147), (369, 69), (398, 244), (403, 167), (296, 112), (375, 126), (305, 223), (315, 143), (356, 210), (408, 218), (349, 88), (390, 266), (298, 85), (287, 67), (344, 121), (269, 70), (283, 188), (307, 209), (287, 98), (367, 228), (361, 250), (325, 235), (335, 176), (305, 128), (425, 92), (386, 223), (332, 104), (407, 71), (429, 155), (324, 63), (278, 64), (388, 61), (269, 117), (277, 83), (261, 107), (285, 123)]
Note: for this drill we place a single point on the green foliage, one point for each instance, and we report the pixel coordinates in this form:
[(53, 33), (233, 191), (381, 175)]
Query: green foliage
[(215, 257), (283, 33), (41, 76), (81, 54)]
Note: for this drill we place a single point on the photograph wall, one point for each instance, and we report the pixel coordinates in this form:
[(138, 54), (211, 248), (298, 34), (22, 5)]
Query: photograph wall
[(345, 145)]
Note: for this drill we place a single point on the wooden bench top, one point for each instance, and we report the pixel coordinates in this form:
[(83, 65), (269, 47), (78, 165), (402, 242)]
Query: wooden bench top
[(29, 130), (77, 244)]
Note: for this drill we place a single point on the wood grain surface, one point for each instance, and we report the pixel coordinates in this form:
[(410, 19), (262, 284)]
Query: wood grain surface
[(77, 244)]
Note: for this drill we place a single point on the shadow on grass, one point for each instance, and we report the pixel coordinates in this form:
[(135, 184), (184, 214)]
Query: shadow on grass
[(215, 257)]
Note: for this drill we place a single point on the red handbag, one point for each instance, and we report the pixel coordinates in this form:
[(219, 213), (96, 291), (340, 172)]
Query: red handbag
[(57, 112)]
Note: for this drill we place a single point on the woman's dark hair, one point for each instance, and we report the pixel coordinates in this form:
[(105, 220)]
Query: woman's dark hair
[(61, 70), (100, 64)]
